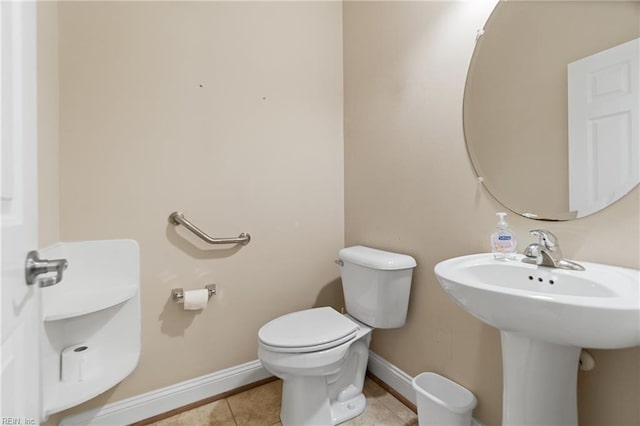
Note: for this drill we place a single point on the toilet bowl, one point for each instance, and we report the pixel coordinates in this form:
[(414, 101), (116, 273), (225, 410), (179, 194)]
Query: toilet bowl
[(321, 355), (323, 371)]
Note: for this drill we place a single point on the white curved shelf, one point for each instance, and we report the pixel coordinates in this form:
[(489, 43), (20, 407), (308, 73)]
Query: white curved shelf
[(61, 395), (97, 305), (82, 302)]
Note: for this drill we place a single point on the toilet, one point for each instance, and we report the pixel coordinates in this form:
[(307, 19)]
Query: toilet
[(320, 354)]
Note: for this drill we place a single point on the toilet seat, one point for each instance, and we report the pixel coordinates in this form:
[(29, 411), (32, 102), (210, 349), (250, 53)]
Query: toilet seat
[(305, 331)]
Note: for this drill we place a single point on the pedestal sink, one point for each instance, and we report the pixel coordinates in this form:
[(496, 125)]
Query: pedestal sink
[(545, 316)]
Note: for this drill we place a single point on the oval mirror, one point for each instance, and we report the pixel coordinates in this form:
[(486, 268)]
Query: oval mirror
[(552, 105)]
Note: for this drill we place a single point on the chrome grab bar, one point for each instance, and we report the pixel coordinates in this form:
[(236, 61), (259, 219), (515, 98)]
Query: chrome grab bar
[(177, 218)]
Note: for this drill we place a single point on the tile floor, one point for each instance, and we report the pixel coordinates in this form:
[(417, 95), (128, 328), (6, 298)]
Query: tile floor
[(260, 406)]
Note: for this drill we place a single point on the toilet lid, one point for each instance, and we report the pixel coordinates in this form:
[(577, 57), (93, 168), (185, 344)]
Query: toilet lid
[(307, 331)]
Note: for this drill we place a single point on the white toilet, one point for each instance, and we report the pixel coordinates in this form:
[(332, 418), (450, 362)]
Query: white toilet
[(321, 355)]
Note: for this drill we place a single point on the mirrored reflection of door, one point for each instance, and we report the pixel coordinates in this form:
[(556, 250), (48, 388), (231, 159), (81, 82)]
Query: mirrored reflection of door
[(604, 111)]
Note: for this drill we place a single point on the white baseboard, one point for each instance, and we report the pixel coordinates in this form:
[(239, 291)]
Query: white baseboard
[(160, 401), (392, 375)]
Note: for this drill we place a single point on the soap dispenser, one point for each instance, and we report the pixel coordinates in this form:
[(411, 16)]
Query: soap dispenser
[(503, 241)]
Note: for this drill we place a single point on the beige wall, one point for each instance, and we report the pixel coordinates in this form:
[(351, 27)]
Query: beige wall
[(410, 187), (232, 113), (48, 121)]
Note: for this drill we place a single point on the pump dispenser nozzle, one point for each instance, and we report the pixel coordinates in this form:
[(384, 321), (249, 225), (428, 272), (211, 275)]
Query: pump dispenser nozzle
[(501, 222)]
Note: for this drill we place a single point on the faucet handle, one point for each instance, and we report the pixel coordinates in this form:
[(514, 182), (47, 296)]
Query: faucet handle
[(546, 239)]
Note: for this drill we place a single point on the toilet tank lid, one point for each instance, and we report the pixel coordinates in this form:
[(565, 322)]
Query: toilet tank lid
[(376, 259)]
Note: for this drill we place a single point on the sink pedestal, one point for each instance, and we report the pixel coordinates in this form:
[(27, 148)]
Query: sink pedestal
[(540, 382)]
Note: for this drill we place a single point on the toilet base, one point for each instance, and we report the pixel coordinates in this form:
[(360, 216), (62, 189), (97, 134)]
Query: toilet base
[(305, 402), (343, 411)]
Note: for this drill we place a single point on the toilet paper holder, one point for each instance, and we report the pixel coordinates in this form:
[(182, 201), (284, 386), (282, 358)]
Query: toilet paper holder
[(178, 293)]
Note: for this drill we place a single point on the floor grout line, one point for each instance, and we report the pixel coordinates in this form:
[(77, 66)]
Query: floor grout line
[(233, 416)]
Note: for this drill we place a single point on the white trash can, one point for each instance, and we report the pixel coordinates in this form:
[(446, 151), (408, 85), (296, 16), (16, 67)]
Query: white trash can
[(442, 402)]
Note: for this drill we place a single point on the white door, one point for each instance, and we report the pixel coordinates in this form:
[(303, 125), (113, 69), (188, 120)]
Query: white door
[(19, 303), (604, 138)]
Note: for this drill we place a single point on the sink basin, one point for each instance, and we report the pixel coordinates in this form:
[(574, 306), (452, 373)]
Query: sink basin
[(545, 316), (595, 308)]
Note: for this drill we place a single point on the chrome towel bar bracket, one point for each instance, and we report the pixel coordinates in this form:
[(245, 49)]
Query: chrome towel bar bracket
[(177, 218)]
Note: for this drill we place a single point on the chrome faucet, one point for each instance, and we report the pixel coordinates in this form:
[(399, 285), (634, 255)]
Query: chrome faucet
[(546, 252)]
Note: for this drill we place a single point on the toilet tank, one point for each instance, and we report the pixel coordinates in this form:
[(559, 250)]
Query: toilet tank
[(376, 285)]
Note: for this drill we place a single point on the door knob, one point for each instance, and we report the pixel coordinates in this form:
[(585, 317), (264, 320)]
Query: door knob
[(35, 266)]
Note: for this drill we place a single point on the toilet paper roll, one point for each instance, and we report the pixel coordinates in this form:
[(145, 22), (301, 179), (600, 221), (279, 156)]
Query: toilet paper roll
[(75, 363), (195, 299)]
